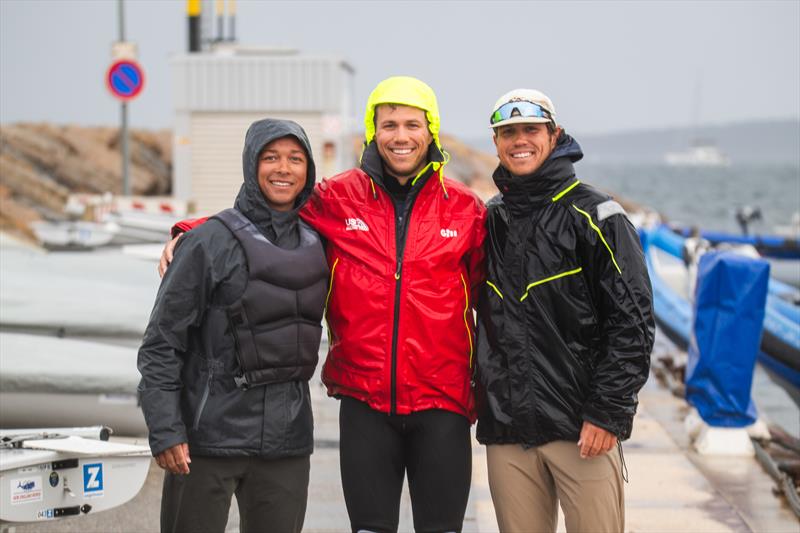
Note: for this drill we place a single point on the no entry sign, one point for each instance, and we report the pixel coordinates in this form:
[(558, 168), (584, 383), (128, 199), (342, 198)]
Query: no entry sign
[(125, 79)]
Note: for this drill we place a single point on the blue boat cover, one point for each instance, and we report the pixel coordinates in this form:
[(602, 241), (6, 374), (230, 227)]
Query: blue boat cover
[(667, 240), (728, 318)]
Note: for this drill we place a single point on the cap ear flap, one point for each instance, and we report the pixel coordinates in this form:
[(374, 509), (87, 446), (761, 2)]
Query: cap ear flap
[(433, 128)]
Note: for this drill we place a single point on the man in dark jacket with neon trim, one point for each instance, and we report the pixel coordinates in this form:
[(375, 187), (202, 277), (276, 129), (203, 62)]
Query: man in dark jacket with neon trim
[(565, 330), (232, 342)]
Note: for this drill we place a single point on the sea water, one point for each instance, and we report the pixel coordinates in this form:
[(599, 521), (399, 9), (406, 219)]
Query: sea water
[(705, 197), (708, 198)]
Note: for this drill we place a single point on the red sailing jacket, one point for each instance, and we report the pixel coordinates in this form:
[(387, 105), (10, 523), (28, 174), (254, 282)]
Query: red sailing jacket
[(401, 332)]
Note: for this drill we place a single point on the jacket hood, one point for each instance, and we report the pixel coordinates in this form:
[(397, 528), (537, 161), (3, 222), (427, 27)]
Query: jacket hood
[(520, 192), (250, 199), (568, 147)]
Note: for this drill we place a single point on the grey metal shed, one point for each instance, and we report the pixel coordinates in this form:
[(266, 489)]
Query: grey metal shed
[(218, 94)]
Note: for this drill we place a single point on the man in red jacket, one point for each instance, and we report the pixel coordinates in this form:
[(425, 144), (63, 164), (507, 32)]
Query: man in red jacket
[(405, 249)]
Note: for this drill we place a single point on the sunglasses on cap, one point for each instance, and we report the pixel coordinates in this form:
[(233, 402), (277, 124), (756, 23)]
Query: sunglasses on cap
[(523, 108)]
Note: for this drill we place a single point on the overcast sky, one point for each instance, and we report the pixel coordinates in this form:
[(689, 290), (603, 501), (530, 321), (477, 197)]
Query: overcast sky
[(608, 66)]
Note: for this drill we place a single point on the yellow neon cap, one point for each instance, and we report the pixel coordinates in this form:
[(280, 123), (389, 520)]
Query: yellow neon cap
[(403, 90)]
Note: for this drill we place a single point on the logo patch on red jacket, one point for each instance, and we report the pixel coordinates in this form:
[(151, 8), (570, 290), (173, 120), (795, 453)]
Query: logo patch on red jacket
[(356, 224)]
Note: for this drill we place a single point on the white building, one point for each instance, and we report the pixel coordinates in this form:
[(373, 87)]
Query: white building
[(218, 94)]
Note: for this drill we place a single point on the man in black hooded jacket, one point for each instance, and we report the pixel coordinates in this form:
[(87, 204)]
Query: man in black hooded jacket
[(565, 330), (230, 347)]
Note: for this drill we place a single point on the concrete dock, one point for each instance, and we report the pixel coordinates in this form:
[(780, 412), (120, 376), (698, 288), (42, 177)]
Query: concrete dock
[(671, 488)]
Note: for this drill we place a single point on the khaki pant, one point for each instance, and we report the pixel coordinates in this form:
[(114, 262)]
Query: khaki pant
[(528, 484)]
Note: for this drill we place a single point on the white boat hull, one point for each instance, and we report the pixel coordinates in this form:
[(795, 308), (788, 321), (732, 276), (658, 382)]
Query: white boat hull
[(58, 477)]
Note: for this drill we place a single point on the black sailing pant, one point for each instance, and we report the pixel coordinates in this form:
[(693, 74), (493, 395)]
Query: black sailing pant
[(271, 494), (376, 450)]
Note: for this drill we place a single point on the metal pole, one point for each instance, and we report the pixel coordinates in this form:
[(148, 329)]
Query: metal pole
[(220, 21), (232, 20), (193, 12), (126, 189)]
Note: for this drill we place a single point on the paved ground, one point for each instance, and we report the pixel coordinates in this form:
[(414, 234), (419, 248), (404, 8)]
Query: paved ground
[(670, 489)]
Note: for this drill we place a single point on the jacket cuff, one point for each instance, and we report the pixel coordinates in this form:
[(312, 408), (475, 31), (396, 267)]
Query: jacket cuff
[(619, 426), (186, 225), (162, 414), (158, 446)]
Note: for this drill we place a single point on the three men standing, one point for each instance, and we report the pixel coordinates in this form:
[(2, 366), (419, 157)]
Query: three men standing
[(565, 323)]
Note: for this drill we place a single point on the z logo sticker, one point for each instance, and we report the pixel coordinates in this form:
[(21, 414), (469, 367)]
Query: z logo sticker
[(93, 479)]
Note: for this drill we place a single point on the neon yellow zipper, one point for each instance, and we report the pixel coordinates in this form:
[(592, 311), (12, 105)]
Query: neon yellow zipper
[(466, 322)]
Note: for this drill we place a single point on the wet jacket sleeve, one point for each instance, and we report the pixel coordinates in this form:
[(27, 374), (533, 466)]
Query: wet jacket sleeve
[(476, 259), (186, 225), (623, 297), (314, 212), (181, 301)]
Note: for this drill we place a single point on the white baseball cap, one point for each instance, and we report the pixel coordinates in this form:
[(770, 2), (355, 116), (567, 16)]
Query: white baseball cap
[(520, 106)]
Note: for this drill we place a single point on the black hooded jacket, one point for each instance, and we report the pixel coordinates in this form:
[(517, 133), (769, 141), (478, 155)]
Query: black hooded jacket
[(565, 320), (188, 356)]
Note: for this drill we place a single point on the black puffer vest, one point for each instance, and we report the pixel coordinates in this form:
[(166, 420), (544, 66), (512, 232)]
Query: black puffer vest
[(277, 342)]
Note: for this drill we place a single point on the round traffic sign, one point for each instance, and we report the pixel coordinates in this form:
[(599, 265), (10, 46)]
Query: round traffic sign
[(125, 79)]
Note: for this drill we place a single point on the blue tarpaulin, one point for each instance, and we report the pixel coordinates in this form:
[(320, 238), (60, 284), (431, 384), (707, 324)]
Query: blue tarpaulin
[(728, 318)]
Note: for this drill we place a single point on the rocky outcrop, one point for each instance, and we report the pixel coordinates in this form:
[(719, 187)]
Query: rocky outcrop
[(42, 164)]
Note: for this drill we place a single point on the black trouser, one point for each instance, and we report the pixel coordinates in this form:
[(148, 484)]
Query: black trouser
[(271, 495), (377, 449)]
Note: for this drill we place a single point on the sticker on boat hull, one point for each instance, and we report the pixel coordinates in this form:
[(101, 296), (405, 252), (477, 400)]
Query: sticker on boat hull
[(45, 514), (92, 480), (26, 490)]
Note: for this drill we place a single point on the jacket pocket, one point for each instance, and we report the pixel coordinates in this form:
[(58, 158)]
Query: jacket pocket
[(208, 390), (549, 279)]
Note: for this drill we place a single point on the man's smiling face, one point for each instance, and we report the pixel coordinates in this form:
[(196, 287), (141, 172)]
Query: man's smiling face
[(523, 147), (282, 171), (402, 138)]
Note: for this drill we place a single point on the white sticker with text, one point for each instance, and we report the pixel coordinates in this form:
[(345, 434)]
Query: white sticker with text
[(26, 490)]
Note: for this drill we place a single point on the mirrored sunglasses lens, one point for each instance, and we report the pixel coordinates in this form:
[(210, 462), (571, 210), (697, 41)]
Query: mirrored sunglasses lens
[(524, 109)]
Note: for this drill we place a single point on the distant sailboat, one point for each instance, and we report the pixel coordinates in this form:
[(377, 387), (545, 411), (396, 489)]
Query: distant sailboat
[(701, 152)]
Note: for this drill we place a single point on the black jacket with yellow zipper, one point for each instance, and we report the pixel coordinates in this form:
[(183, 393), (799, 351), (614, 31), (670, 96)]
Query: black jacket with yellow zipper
[(565, 319)]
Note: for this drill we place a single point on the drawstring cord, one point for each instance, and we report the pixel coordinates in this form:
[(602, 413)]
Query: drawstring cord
[(374, 192), (441, 182), (624, 467), (441, 173)]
